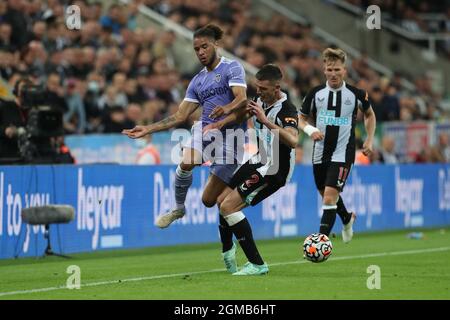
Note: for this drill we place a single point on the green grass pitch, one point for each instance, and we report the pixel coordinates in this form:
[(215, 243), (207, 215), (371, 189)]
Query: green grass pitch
[(410, 269)]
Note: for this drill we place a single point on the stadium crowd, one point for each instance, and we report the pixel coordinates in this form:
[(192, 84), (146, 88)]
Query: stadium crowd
[(415, 16), (113, 74)]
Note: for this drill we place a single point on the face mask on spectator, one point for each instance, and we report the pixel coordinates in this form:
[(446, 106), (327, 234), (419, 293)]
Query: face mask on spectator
[(93, 86)]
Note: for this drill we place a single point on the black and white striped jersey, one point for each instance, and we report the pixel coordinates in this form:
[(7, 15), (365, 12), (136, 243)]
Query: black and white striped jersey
[(334, 112), (270, 151)]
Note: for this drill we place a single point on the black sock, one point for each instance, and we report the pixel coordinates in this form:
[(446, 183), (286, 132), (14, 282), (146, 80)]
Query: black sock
[(243, 233), (327, 221), (342, 211), (226, 234)]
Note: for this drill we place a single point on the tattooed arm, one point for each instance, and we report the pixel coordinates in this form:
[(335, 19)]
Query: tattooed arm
[(185, 109)]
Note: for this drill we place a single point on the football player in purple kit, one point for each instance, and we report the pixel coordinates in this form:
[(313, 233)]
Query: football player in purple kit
[(220, 89)]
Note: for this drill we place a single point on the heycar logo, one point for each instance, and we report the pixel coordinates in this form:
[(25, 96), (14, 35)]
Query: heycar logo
[(99, 208), (409, 199)]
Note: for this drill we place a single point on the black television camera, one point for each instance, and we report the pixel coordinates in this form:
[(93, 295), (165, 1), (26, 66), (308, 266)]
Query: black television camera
[(44, 124)]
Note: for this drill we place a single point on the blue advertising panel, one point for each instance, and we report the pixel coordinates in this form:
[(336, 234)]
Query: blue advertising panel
[(119, 149), (117, 206)]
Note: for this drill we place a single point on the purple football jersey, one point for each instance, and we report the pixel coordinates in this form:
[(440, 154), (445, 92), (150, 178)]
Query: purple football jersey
[(213, 88)]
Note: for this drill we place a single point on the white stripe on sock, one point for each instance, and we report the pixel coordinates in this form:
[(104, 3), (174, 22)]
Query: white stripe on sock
[(183, 173), (234, 218), (328, 207)]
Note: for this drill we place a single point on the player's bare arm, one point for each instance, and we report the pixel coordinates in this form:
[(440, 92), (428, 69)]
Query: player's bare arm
[(288, 136), (239, 101), (310, 130), (239, 115), (185, 109), (369, 124)]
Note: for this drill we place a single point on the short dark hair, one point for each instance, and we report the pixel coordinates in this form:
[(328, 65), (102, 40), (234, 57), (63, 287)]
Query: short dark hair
[(210, 30), (269, 72)]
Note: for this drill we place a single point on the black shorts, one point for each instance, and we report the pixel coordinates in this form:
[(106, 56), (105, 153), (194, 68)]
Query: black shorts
[(331, 174), (254, 187)]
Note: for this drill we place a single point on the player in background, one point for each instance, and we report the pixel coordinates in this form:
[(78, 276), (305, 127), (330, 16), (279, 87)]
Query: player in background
[(333, 108), (275, 121), (219, 88)]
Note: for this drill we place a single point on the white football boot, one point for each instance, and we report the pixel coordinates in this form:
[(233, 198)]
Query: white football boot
[(165, 220), (347, 230)]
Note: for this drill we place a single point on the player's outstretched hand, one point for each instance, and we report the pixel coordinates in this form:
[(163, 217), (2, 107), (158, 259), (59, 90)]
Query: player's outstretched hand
[(136, 132), (218, 111), (317, 136)]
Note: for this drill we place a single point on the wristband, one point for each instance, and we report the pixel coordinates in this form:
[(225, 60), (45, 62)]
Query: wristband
[(309, 129)]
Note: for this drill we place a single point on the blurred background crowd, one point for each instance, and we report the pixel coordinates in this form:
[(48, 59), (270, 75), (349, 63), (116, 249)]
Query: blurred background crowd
[(113, 74)]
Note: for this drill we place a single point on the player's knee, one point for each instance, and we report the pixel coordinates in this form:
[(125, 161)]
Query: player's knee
[(185, 167), (209, 203), (226, 208), (329, 200)]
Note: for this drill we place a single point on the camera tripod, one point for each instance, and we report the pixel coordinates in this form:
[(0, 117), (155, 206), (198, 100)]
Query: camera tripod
[(48, 251)]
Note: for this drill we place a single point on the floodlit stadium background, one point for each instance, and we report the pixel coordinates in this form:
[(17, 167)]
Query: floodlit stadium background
[(131, 63)]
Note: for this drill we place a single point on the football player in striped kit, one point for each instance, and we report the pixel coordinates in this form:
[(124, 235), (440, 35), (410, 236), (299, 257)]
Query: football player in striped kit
[(275, 120), (333, 109)]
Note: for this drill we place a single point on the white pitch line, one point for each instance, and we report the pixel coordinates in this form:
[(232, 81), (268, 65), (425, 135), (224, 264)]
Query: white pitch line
[(173, 275)]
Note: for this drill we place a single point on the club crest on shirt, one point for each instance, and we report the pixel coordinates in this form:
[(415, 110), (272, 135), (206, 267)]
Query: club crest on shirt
[(218, 77), (348, 102)]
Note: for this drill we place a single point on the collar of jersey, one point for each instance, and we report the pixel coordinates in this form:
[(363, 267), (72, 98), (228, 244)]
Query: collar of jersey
[(338, 89), (281, 100), (220, 62)]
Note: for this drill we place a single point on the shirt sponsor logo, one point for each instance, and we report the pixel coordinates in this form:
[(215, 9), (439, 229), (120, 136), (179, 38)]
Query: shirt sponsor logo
[(208, 93), (328, 118)]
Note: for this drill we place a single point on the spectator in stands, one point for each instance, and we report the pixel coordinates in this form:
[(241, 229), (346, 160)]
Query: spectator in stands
[(113, 19), (116, 120), (424, 156), (387, 151), (163, 47), (391, 104), (55, 96), (75, 117), (12, 124), (441, 151), (112, 98), (149, 154), (16, 17), (377, 103), (5, 37), (34, 40)]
